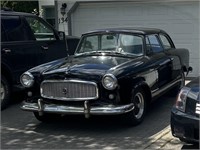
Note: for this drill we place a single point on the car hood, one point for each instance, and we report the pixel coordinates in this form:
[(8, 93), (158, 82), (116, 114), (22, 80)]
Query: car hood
[(194, 86), (87, 67)]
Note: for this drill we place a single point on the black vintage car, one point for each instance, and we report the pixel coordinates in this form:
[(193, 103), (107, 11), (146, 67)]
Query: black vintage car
[(185, 113), (113, 71)]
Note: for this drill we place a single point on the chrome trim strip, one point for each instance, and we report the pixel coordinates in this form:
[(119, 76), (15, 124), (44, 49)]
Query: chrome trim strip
[(62, 109), (71, 81), (158, 91)]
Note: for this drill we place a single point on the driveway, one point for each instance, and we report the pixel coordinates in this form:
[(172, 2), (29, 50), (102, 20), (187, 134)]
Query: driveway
[(20, 130)]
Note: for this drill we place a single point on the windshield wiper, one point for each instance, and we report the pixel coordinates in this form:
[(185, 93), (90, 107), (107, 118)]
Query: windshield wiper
[(87, 53), (105, 51)]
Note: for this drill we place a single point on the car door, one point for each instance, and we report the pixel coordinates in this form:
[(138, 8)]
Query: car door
[(169, 49), (18, 52), (47, 40), (160, 61)]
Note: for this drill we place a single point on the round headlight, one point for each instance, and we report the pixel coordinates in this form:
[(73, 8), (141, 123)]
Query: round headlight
[(27, 79), (109, 82)]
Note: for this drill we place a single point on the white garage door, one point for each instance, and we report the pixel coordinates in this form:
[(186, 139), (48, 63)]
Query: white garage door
[(179, 19)]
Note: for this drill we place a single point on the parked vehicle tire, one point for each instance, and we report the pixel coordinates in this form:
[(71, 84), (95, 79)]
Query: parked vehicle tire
[(46, 117), (5, 92), (136, 116), (177, 88)]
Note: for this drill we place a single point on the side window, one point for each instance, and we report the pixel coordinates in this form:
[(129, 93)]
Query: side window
[(154, 43), (165, 42), (41, 31), (15, 29)]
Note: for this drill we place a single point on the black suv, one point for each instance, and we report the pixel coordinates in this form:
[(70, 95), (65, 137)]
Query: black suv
[(27, 41)]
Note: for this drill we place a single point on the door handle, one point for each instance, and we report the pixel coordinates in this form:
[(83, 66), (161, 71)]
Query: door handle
[(45, 47), (6, 50)]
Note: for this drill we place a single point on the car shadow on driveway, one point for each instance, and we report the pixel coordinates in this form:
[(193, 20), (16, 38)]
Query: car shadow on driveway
[(21, 130)]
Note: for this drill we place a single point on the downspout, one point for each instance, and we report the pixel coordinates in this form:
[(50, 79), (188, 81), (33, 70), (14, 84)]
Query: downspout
[(56, 14)]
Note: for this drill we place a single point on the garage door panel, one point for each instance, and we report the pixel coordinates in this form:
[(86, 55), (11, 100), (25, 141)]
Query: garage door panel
[(196, 67), (184, 10)]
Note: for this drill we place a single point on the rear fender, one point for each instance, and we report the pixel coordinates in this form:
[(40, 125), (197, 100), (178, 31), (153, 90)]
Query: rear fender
[(183, 55)]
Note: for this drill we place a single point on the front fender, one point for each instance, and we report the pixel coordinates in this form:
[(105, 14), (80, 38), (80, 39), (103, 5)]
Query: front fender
[(127, 86)]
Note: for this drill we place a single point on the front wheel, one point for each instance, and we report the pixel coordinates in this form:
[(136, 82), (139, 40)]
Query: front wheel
[(5, 92), (136, 116)]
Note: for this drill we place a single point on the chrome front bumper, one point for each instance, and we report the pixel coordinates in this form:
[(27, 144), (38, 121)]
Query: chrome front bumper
[(87, 109)]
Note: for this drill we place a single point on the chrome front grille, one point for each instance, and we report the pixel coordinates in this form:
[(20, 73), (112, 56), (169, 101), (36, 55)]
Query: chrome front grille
[(69, 90)]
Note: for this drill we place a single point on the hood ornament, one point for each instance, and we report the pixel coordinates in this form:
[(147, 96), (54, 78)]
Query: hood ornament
[(65, 91), (67, 70)]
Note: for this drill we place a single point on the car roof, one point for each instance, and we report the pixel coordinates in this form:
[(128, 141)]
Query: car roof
[(10, 12), (137, 30)]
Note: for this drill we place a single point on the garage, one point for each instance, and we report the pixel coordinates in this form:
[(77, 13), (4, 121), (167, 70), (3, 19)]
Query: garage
[(180, 19)]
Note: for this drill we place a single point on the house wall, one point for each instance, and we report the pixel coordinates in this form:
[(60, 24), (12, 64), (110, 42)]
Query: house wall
[(63, 26)]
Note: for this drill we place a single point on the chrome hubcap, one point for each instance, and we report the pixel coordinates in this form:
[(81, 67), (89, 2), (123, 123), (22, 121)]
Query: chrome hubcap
[(139, 105), (2, 90)]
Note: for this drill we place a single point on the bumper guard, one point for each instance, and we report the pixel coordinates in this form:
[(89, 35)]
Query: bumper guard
[(87, 110)]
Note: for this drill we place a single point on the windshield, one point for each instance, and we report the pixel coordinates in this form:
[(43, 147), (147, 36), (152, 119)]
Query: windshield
[(119, 43)]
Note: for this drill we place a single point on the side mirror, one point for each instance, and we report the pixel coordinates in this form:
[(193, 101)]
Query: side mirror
[(61, 35), (189, 70)]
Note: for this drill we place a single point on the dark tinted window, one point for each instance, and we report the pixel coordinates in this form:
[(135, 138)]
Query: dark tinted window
[(153, 43), (15, 29), (3, 35), (72, 44)]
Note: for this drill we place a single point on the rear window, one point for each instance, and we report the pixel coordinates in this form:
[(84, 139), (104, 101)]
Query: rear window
[(153, 44), (15, 29)]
